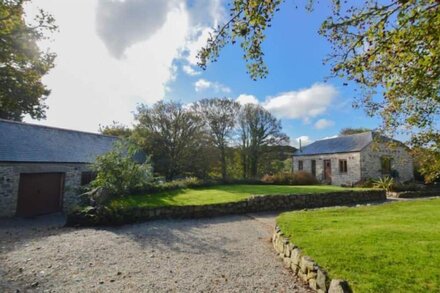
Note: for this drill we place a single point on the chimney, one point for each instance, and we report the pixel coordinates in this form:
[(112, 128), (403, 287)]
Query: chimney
[(300, 148)]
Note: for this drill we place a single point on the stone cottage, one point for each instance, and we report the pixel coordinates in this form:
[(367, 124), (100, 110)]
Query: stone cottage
[(42, 167), (345, 160)]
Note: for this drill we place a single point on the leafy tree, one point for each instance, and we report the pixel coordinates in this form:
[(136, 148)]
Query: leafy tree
[(258, 129), (119, 173), (115, 129), (220, 116), (350, 131), (391, 48), (22, 63), (171, 134)]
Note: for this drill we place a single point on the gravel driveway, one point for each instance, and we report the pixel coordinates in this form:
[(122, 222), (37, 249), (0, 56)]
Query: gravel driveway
[(225, 254)]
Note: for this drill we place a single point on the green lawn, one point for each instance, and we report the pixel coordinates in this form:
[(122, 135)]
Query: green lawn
[(216, 194), (387, 248)]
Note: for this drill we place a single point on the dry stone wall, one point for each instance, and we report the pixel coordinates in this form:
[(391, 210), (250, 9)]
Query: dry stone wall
[(305, 267), (260, 203)]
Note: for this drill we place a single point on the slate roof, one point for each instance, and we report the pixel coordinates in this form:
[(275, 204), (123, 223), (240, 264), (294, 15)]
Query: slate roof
[(23, 142), (340, 144)]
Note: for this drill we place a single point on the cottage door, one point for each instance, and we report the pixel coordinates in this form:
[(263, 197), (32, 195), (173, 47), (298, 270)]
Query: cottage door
[(327, 171), (39, 194)]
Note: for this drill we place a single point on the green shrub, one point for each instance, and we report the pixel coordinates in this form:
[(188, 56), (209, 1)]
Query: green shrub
[(119, 173), (385, 183), (297, 178), (365, 183)]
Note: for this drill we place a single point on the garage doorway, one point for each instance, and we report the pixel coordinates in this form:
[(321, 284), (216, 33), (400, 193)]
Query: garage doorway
[(40, 193)]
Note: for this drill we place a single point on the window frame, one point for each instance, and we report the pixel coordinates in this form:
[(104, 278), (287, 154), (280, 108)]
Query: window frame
[(386, 161), (300, 165), (313, 167), (343, 166)]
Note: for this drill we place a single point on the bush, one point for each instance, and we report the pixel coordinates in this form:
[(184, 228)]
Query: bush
[(119, 173), (365, 183), (297, 178), (385, 183)]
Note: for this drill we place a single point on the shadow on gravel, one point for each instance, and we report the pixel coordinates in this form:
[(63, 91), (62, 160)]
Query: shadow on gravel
[(15, 231), (193, 236)]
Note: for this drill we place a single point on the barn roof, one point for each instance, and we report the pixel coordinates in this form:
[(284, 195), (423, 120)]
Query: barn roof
[(340, 144), (23, 142)]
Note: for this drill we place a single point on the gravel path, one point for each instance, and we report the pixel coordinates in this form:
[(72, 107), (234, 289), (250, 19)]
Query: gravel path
[(226, 254)]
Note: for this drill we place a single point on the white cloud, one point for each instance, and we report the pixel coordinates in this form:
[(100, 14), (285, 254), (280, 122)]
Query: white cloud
[(203, 84), (188, 69), (303, 104), (244, 99), (120, 54), (324, 123), (305, 140)]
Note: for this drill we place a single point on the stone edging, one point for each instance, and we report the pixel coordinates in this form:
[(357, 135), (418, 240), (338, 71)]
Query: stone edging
[(304, 267), (413, 194), (262, 203)]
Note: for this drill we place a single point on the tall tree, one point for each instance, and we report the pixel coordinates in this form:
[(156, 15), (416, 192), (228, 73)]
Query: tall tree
[(220, 116), (22, 63), (389, 47), (350, 131), (258, 129), (115, 129), (171, 134)]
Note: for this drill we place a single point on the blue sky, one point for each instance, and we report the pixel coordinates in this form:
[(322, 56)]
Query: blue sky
[(140, 51)]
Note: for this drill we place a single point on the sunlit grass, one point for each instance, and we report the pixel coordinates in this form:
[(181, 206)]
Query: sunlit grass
[(217, 194), (388, 248)]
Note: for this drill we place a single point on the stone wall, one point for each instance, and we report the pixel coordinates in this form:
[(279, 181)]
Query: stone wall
[(413, 194), (260, 203), (10, 179), (402, 161), (304, 267), (353, 174)]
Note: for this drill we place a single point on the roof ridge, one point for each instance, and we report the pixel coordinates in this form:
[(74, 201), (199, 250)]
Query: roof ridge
[(54, 127)]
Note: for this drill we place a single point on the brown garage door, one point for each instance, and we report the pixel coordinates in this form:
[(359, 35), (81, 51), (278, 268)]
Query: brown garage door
[(39, 193)]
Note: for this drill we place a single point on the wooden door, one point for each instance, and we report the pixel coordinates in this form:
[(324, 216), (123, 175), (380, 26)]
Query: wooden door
[(39, 194), (328, 170)]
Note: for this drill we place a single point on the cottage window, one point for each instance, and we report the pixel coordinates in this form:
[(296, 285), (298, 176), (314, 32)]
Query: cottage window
[(314, 167), (385, 163), (343, 166), (87, 177), (300, 165)]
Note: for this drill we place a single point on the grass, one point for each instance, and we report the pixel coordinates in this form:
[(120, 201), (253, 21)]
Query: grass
[(387, 248), (216, 194)]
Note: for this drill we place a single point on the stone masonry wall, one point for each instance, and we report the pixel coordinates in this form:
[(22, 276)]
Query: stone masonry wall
[(402, 161), (10, 179), (305, 267), (260, 203), (353, 174)]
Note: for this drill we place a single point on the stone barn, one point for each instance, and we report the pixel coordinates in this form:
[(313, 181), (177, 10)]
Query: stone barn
[(346, 160), (42, 167)]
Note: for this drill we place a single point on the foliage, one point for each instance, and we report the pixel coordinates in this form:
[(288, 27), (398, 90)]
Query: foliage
[(375, 248), (116, 129), (427, 161), (385, 183), (174, 137), (119, 173), (297, 178), (350, 131), (391, 48), (219, 116), (258, 129), (365, 183), (215, 194), (249, 19), (22, 63)]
